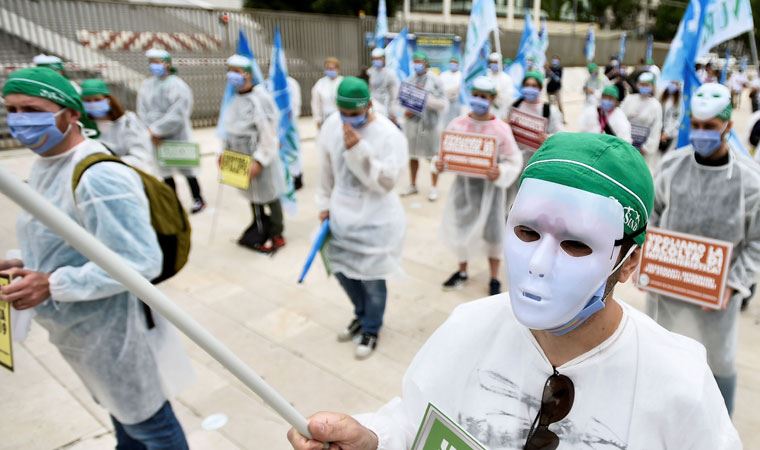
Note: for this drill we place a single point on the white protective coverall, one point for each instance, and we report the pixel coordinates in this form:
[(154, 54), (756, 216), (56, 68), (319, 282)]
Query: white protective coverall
[(367, 219), (323, 98), (452, 83), (597, 84), (645, 115), (671, 120), (486, 372), (383, 87), (589, 122), (97, 325), (267, 104), (505, 93), (720, 203), (295, 97), (475, 208), (249, 130), (423, 132), (165, 106), (128, 138)]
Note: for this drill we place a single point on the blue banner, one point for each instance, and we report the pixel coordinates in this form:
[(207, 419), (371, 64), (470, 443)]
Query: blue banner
[(650, 48), (381, 27), (482, 24), (623, 43), (590, 48), (398, 57)]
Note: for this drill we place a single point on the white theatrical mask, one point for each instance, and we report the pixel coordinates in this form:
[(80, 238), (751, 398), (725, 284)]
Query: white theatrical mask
[(559, 251)]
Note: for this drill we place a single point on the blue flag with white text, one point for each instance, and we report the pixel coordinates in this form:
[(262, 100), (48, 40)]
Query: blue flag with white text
[(482, 24)]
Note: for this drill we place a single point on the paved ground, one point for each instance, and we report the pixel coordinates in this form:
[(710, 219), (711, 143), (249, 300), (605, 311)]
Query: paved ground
[(284, 330)]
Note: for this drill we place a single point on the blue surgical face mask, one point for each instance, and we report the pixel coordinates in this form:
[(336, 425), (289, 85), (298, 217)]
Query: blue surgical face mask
[(419, 68), (355, 121), (236, 79), (36, 130), (607, 105), (645, 90), (98, 109), (494, 67), (706, 142), (453, 66), (378, 63), (555, 62), (530, 93), (157, 69), (479, 105), (331, 74)]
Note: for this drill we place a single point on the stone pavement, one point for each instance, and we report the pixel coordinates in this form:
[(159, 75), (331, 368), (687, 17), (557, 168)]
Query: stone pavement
[(283, 330)]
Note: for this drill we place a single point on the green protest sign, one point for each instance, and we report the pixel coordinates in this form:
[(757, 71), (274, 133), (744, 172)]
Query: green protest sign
[(438, 432), (179, 154)]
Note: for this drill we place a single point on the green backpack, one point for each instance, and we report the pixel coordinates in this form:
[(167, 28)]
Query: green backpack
[(167, 216)]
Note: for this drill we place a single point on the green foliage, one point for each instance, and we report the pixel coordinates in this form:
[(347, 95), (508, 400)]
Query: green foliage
[(667, 19), (624, 12)]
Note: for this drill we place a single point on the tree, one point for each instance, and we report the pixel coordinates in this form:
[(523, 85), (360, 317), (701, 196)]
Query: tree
[(624, 12), (342, 7), (667, 19)]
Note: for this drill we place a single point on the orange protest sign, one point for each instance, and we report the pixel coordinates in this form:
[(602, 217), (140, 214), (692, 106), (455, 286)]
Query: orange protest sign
[(468, 153), (528, 129), (686, 267)]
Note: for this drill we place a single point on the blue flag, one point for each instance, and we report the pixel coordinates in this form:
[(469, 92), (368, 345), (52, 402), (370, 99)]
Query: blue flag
[(529, 51), (623, 43), (482, 24), (650, 48), (290, 153), (724, 70), (381, 27), (590, 48), (398, 58), (242, 49)]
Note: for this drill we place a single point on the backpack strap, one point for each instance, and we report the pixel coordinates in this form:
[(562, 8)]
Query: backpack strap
[(547, 111), (517, 103), (88, 162)]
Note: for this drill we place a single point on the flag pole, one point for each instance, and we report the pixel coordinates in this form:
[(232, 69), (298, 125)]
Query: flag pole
[(497, 41), (753, 48)]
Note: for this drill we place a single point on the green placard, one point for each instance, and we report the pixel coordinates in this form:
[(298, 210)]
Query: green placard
[(179, 154), (438, 432), (6, 339)]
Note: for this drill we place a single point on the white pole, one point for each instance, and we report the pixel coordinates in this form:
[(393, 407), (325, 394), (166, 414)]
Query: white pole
[(497, 41), (112, 263), (446, 11), (510, 14), (537, 13), (407, 10)]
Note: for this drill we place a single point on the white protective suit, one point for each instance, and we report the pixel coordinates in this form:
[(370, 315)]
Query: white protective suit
[(452, 84), (505, 93), (645, 115), (423, 132), (267, 104), (99, 327), (295, 97), (618, 123), (128, 138), (249, 130), (383, 87), (165, 106), (597, 84), (475, 208), (323, 98), (642, 388), (367, 219), (672, 114), (719, 203)]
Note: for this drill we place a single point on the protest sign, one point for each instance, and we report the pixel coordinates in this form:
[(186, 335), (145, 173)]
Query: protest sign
[(467, 153), (235, 169), (439, 48), (528, 129), (412, 98), (686, 267), (6, 340), (639, 135), (179, 154), (438, 432)]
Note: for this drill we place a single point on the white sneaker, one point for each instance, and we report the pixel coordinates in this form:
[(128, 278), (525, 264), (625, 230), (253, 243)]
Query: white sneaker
[(433, 195), (366, 346), (352, 332), (411, 190)]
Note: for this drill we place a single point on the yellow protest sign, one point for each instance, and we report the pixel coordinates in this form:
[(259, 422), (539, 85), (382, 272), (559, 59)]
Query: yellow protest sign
[(235, 168), (6, 341)]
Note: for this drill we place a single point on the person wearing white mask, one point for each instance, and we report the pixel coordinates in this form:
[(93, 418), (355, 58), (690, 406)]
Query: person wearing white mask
[(672, 114), (475, 210), (606, 118), (324, 91), (505, 86), (712, 190), (645, 114), (451, 78), (558, 362), (165, 104), (249, 130), (383, 85)]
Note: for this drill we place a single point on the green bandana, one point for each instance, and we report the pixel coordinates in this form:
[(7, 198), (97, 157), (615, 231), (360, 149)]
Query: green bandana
[(353, 93), (592, 67), (612, 91), (536, 75), (420, 56), (44, 83), (600, 164), (94, 86)]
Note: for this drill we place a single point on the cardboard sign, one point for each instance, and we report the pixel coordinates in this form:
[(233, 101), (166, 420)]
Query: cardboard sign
[(235, 169), (438, 432), (6, 340), (468, 153), (179, 154), (639, 135), (412, 98), (687, 267), (527, 128)]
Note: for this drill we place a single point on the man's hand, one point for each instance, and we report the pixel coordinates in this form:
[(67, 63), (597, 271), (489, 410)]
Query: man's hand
[(256, 169), (440, 166), (493, 173), (341, 431), (350, 136), (156, 140), (32, 289), (324, 215), (6, 264), (727, 294), (408, 114)]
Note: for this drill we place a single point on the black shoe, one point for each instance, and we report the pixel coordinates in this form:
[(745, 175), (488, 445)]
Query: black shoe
[(198, 206), (494, 287), (745, 303), (456, 281), (298, 182), (366, 346), (351, 330)]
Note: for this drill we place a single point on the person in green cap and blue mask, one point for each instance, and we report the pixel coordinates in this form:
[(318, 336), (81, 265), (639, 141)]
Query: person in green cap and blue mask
[(712, 190), (644, 112), (165, 104), (423, 131), (362, 155), (607, 117), (98, 326), (594, 84), (558, 362), (120, 131)]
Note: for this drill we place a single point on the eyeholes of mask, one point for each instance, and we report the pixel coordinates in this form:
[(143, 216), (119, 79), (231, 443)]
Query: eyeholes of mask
[(575, 249), (526, 234)]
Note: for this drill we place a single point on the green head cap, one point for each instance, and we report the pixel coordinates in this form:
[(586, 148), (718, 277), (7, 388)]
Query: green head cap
[(612, 91), (420, 56), (44, 83), (94, 86), (536, 75), (592, 67), (353, 93)]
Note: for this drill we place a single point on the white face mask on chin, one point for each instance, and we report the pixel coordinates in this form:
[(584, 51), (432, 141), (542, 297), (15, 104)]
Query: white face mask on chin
[(559, 251)]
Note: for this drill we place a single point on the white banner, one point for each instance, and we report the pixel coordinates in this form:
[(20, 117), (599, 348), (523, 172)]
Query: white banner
[(724, 20)]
